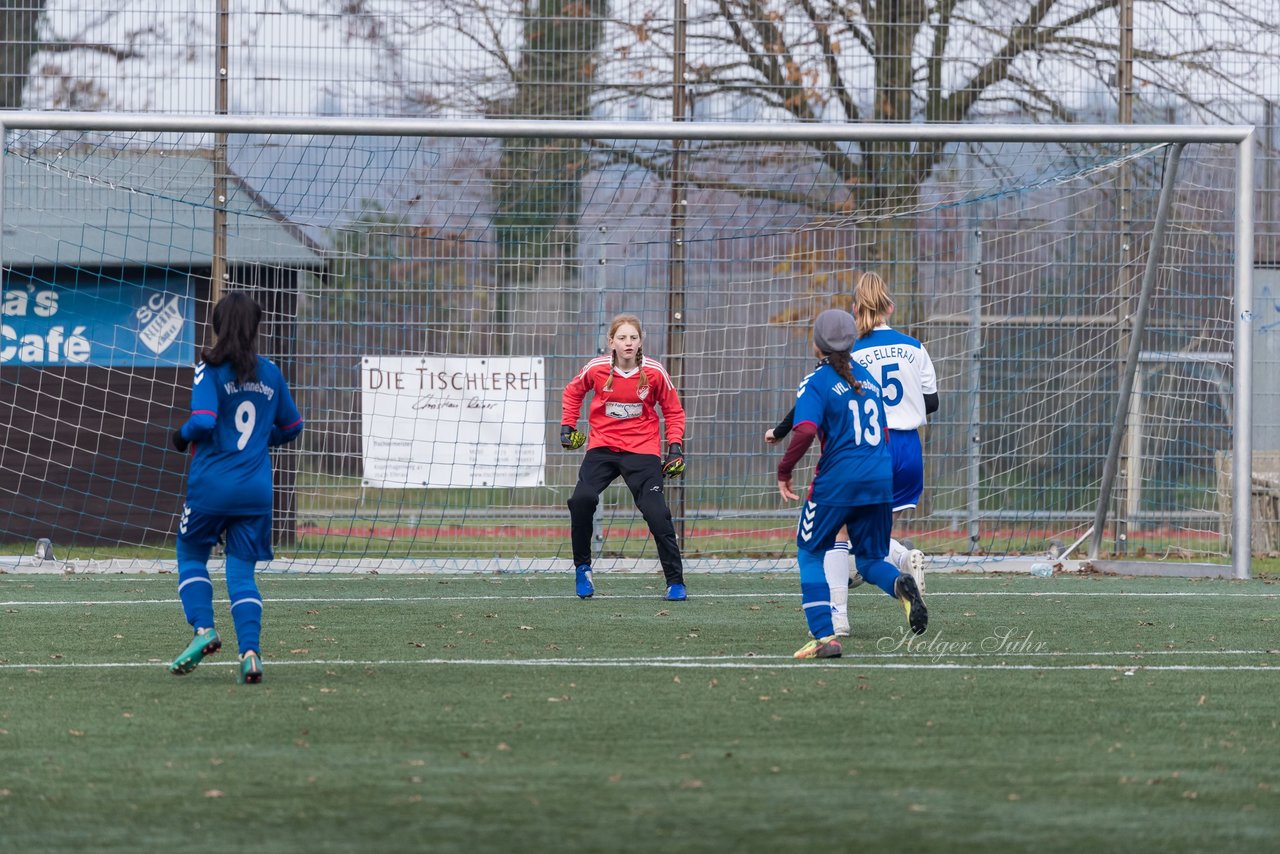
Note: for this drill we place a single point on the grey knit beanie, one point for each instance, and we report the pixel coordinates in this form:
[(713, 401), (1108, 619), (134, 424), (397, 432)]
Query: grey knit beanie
[(834, 331)]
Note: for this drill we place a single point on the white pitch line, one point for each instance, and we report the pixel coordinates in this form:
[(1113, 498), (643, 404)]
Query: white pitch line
[(778, 661), (513, 597)]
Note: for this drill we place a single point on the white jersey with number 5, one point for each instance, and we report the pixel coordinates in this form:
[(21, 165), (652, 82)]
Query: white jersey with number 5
[(904, 370)]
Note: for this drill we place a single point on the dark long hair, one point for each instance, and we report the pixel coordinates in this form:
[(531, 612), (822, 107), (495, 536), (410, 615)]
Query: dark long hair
[(235, 323), (842, 362)]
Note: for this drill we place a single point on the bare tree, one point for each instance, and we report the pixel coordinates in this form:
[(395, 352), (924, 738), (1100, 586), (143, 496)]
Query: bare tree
[(537, 185), (825, 61), (25, 35), (506, 59), (19, 41), (950, 61)]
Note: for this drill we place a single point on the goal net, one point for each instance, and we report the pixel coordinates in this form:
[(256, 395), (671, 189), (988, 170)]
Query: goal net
[(430, 291)]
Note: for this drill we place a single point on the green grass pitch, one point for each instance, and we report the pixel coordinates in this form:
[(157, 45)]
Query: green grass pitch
[(500, 713)]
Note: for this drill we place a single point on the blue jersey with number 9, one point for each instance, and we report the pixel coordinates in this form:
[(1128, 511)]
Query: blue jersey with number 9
[(231, 427), (855, 468)]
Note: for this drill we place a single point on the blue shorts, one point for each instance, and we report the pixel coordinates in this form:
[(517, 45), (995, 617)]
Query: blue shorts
[(908, 468), (248, 537), (869, 527)]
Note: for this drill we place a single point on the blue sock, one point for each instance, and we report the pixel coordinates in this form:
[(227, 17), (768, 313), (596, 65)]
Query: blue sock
[(246, 603), (194, 587), (815, 595), (879, 572)]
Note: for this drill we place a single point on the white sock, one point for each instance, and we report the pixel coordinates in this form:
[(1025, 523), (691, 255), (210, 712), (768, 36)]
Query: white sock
[(897, 555), (835, 565)]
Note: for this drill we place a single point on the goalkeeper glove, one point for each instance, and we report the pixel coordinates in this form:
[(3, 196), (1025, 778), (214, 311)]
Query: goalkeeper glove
[(674, 464), (180, 444), (570, 438)]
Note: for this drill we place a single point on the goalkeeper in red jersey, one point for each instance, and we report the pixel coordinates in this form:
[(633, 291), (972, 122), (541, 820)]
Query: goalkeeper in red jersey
[(624, 440)]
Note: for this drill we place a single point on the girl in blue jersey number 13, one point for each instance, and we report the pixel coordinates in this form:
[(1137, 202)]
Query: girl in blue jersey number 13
[(852, 485), (909, 386), (240, 407)]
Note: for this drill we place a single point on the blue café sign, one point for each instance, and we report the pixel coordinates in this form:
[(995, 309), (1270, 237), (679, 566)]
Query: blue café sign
[(107, 323)]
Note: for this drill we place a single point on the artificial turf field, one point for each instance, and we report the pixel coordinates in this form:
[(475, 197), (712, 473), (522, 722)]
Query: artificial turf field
[(501, 713)]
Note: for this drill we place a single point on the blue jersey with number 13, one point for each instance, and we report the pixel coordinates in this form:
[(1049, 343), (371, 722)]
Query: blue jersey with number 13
[(232, 425), (855, 468)]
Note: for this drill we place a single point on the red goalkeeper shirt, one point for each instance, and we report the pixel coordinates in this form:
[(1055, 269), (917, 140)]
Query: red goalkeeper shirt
[(625, 418)]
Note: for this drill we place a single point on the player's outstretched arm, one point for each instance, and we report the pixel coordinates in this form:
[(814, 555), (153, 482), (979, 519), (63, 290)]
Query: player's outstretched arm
[(774, 435), (785, 490)]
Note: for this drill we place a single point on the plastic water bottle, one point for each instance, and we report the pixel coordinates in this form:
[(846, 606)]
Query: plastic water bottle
[(1042, 570)]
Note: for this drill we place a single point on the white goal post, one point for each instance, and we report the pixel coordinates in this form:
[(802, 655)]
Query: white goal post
[(73, 131)]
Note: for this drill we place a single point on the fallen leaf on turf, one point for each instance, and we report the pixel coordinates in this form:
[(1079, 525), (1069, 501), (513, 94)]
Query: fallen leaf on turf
[(613, 778), (1202, 700), (917, 808), (76, 733), (502, 745), (663, 613), (1191, 796), (4, 793), (299, 651), (214, 793), (676, 679), (692, 784), (1014, 796), (526, 628), (562, 698)]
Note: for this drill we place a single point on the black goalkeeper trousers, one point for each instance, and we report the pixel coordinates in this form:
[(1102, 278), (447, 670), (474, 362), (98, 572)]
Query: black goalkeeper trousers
[(643, 476)]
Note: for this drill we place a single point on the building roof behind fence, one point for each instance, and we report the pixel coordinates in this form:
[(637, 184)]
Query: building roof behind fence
[(106, 208)]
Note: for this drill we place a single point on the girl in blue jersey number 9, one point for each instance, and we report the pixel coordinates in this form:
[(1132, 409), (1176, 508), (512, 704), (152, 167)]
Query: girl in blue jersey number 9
[(852, 485), (240, 407)]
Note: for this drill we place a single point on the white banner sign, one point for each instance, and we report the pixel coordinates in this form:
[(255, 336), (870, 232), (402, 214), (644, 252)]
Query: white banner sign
[(453, 421)]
